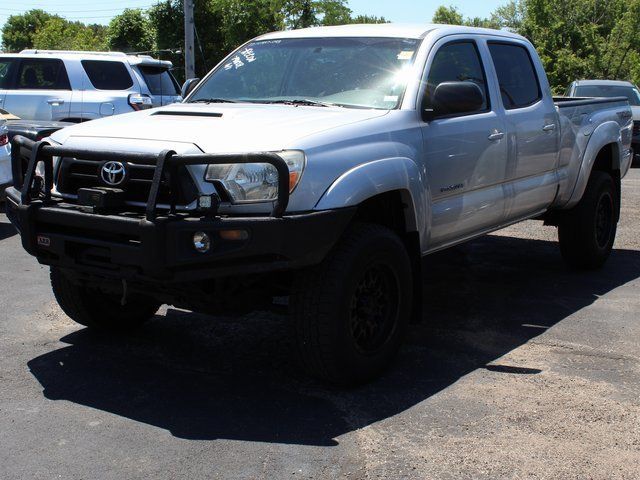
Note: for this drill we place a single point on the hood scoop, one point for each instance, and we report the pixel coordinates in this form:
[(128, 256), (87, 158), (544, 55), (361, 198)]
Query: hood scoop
[(186, 113)]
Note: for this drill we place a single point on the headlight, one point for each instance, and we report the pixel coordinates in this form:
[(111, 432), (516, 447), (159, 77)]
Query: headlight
[(256, 182)]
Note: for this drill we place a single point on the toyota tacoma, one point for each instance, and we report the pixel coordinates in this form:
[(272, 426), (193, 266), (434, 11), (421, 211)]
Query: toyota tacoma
[(312, 170)]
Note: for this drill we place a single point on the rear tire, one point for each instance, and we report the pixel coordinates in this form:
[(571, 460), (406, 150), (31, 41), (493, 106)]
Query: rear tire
[(97, 310), (352, 310), (587, 232)]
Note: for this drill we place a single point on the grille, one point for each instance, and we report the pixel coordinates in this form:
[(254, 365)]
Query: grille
[(636, 129), (75, 173)]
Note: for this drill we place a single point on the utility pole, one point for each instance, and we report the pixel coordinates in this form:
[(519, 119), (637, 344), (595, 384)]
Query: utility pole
[(189, 45)]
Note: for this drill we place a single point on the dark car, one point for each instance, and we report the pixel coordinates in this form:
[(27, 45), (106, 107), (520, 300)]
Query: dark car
[(34, 129)]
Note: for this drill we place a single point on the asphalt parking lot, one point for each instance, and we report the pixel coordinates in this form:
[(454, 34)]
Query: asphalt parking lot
[(520, 369)]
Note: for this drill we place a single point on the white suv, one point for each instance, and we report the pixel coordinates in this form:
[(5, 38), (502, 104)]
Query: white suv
[(79, 86), (5, 158)]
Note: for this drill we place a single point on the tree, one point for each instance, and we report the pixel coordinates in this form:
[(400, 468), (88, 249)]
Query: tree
[(333, 12), (368, 19), (510, 16), (574, 38), (19, 30), (131, 31), (312, 13), (241, 20), (300, 13), (448, 16), (60, 34), (584, 38), (452, 16)]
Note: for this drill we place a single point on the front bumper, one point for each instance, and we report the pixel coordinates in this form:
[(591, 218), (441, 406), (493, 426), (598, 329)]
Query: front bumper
[(132, 247), (158, 245)]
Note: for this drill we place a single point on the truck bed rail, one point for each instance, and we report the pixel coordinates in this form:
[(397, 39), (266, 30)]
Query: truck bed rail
[(579, 101)]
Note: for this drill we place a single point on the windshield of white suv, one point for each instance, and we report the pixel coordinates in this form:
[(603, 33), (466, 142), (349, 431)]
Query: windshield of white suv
[(609, 91), (347, 72)]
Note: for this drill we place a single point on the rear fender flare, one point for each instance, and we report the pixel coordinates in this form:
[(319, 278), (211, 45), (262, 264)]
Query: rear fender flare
[(606, 134)]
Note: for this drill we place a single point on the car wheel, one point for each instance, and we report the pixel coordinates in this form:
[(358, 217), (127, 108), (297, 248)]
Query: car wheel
[(98, 310), (352, 311), (587, 232)]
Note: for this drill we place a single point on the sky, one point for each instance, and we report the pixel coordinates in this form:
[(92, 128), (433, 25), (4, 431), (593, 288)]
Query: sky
[(101, 11)]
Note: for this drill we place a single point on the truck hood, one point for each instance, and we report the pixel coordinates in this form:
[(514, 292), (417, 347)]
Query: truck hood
[(217, 128)]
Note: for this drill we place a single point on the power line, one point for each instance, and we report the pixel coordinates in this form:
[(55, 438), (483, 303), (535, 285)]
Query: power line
[(48, 5), (83, 11)]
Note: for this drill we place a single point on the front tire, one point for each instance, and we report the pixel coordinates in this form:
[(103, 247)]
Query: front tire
[(98, 310), (588, 231), (352, 311)]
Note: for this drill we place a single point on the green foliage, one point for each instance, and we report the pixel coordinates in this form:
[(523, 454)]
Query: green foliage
[(452, 16), (584, 38), (131, 31), (240, 20), (448, 16), (19, 30), (368, 19), (575, 39), (60, 34), (333, 12)]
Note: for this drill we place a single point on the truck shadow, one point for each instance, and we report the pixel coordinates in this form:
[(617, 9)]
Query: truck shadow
[(6, 229), (207, 378)]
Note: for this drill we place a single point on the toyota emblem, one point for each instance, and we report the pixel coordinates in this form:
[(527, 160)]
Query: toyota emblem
[(113, 173)]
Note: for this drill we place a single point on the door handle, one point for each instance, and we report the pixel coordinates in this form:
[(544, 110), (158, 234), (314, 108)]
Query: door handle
[(496, 135), (55, 101), (549, 128)]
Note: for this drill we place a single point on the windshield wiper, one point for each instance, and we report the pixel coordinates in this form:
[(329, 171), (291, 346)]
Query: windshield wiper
[(213, 100), (302, 101)]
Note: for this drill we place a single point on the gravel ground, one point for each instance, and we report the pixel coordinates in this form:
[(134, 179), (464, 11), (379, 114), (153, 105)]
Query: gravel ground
[(520, 369)]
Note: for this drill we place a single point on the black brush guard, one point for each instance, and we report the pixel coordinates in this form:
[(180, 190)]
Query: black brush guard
[(158, 245)]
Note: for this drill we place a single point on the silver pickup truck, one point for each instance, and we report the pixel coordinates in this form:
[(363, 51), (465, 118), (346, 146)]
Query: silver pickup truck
[(313, 169)]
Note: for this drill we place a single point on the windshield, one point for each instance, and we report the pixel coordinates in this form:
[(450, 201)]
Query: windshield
[(349, 72), (609, 91)]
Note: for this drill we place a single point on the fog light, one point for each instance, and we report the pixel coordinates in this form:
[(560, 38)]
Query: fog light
[(204, 202), (201, 242)]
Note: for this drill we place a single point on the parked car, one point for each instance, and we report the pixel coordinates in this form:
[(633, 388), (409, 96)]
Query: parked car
[(34, 129), (79, 86), (612, 88), (315, 168), (4, 115), (5, 159)]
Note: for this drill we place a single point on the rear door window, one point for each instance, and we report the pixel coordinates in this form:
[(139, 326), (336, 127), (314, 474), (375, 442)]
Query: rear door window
[(7, 66), (519, 86), (107, 75), (42, 74), (159, 80)]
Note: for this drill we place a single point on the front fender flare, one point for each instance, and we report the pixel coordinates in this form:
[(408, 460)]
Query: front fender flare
[(369, 179)]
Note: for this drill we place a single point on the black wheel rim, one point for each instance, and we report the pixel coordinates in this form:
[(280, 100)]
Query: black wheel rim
[(374, 309), (604, 220)]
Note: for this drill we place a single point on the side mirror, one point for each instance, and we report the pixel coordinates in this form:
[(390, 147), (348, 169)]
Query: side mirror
[(451, 98), (188, 86)]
